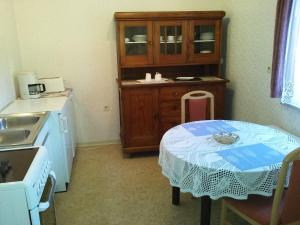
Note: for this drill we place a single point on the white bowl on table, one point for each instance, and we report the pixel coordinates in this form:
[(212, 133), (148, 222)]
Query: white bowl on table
[(226, 138)]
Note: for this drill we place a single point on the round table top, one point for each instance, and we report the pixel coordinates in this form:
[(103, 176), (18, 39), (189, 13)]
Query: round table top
[(194, 161)]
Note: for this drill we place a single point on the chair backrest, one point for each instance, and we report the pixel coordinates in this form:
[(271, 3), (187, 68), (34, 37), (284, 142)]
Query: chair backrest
[(197, 105), (290, 212)]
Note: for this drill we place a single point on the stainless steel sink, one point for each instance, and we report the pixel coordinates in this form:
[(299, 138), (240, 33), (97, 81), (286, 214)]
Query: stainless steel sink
[(18, 121), (20, 129), (9, 137)]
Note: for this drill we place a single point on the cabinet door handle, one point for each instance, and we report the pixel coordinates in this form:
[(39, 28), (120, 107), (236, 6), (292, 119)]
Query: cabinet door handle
[(45, 139), (64, 124)]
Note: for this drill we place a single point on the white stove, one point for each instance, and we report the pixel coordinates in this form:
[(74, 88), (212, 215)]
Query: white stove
[(26, 187)]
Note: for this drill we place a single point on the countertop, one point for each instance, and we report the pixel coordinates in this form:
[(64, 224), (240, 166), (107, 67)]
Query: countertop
[(53, 102), (207, 79), (35, 105)]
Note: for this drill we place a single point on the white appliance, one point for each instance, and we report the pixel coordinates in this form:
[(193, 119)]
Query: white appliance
[(53, 84), (26, 187), (29, 86)]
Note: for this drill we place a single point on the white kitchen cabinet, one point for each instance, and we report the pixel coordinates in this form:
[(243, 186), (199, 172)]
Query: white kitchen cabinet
[(48, 137), (67, 130)]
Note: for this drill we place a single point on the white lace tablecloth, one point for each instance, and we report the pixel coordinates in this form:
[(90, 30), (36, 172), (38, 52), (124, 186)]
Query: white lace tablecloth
[(192, 163)]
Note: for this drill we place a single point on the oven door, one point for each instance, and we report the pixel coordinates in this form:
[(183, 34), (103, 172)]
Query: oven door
[(44, 214)]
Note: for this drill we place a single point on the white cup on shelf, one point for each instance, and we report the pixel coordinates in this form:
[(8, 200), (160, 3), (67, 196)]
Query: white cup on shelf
[(157, 76), (148, 77)]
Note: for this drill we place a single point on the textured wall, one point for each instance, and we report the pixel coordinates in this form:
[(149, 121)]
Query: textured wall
[(249, 54), (76, 40), (9, 55)]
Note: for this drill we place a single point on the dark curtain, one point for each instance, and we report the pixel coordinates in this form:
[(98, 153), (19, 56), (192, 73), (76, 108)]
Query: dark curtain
[(284, 8)]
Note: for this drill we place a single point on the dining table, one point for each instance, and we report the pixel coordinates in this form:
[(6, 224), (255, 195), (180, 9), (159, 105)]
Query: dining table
[(195, 161)]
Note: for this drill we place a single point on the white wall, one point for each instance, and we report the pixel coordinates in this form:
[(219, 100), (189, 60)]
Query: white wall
[(249, 53), (76, 39), (9, 55)]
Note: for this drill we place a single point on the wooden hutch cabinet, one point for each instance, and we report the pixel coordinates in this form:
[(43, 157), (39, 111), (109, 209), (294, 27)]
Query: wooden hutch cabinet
[(175, 44)]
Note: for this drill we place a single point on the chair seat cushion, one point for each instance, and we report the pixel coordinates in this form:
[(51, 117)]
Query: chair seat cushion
[(256, 207)]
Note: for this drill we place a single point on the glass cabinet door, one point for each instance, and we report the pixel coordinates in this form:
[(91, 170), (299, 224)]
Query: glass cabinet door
[(170, 42), (136, 43), (204, 40)]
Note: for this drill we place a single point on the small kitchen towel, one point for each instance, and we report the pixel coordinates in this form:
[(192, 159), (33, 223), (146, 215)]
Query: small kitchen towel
[(208, 128)]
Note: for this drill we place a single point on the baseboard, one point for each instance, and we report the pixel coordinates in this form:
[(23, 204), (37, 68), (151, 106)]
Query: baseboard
[(97, 144)]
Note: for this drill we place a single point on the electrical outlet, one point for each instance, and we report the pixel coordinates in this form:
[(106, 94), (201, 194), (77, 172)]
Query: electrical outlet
[(106, 108)]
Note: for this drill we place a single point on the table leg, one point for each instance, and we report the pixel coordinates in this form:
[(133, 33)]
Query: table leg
[(175, 195), (205, 210)]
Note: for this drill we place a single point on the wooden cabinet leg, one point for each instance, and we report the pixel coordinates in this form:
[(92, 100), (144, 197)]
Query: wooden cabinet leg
[(175, 195), (126, 155)]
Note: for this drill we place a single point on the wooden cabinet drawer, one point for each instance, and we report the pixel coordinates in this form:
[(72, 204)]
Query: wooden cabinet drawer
[(170, 108), (172, 93), (169, 122)]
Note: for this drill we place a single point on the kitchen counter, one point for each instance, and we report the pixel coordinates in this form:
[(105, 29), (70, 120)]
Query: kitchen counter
[(206, 79), (35, 105), (48, 102)]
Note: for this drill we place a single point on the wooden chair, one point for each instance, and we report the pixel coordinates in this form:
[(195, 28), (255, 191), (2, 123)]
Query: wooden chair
[(282, 208), (197, 106)]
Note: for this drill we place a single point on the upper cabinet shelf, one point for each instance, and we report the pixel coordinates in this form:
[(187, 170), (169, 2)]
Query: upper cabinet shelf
[(168, 38)]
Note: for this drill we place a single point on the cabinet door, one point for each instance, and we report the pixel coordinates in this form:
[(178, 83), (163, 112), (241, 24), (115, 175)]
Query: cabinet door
[(204, 41), (67, 139), (170, 42), (50, 137), (135, 43), (140, 109)]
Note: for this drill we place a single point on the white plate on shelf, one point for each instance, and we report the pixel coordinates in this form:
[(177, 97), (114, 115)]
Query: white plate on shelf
[(205, 51), (152, 81), (184, 78)]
